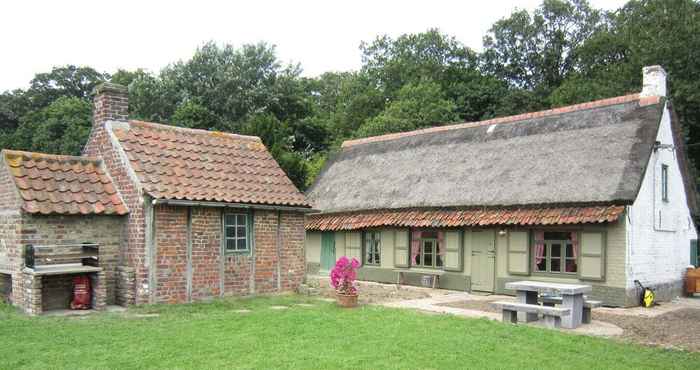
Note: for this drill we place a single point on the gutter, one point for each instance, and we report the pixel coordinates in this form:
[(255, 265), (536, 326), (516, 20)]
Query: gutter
[(193, 203)]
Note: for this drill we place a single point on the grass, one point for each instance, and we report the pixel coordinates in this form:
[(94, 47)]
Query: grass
[(212, 335)]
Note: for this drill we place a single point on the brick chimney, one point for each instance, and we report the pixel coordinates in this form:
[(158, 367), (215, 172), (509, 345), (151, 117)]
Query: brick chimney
[(653, 81), (111, 103)]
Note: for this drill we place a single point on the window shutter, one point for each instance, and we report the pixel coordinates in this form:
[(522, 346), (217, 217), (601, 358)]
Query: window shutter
[(592, 258), (353, 245), (401, 246), (453, 251), (694, 252), (518, 253)]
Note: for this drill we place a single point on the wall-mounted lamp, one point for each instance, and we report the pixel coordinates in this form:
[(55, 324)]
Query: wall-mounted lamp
[(503, 232)]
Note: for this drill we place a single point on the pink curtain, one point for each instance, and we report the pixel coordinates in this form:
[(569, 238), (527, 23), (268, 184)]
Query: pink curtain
[(415, 245), (539, 246), (440, 246), (574, 243)]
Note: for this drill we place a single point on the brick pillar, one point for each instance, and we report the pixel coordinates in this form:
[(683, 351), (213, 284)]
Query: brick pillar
[(32, 294), (111, 103), (126, 286), (98, 282)]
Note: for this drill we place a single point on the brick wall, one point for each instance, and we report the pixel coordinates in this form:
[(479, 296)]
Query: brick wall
[(265, 251), (293, 268), (170, 254), (206, 253)]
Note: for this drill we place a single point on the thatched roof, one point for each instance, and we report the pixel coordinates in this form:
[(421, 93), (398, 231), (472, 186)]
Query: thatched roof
[(593, 153)]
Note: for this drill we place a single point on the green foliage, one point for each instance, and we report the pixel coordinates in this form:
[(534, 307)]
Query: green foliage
[(538, 51), (193, 115), (60, 128), (416, 106)]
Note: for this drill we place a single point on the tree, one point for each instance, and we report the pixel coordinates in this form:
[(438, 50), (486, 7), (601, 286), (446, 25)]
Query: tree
[(538, 52), (417, 106), (66, 81), (60, 128)]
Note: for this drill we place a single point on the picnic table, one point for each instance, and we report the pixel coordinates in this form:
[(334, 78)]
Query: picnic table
[(572, 298)]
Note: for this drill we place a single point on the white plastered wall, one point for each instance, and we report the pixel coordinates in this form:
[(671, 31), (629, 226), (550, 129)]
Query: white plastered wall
[(659, 232)]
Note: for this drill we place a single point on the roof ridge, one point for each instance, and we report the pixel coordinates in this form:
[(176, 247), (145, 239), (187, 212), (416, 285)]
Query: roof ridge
[(196, 130), (643, 101), (46, 156)]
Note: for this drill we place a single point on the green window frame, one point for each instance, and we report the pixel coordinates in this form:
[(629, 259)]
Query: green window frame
[(428, 255), (560, 258), (236, 232), (372, 248), (664, 182)]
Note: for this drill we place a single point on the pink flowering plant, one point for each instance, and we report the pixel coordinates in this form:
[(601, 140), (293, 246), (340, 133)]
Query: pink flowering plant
[(344, 274)]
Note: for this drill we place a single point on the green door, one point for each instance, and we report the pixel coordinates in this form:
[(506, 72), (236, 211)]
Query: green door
[(483, 260), (327, 251)]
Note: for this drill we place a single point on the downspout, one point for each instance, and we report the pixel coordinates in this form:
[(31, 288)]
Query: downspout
[(189, 254), (279, 251)]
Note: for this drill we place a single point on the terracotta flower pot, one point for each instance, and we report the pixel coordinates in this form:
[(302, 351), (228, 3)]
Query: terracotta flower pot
[(346, 300)]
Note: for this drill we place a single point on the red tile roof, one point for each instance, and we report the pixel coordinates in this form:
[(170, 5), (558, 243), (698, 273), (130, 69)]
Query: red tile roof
[(643, 101), (186, 164), (57, 184), (473, 217)]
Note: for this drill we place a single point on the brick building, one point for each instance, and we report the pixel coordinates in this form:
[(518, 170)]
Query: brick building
[(192, 214)]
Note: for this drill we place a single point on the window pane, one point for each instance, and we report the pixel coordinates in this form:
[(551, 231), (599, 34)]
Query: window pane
[(569, 251), (428, 259), (230, 220), (556, 265), (556, 250), (571, 265), (438, 260), (230, 232), (419, 260), (240, 243), (240, 219), (241, 232), (231, 244)]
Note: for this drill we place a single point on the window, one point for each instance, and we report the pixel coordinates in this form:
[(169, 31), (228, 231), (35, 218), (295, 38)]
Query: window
[(428, 250), (236, 232), (556, 252), (664, 183), (373, 246)]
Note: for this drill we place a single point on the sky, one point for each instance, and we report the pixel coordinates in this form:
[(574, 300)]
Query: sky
[(321, 35)]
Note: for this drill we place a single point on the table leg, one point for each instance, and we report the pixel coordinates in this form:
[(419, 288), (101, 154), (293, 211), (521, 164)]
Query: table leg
[(528, 297), (574, 302)]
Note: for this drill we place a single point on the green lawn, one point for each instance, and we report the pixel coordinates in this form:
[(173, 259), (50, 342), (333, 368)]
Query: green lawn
[(212, 335)]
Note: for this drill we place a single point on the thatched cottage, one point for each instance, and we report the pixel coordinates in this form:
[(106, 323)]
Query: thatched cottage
[(597, 193), (151, 212)]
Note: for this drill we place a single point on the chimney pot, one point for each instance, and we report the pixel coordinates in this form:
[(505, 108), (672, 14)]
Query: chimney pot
[(653, 81), (111, 103)]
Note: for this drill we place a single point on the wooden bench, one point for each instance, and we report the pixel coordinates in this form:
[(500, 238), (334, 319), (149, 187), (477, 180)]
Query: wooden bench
[(587, 306), (84, 254), (400, 278), (552, 315)]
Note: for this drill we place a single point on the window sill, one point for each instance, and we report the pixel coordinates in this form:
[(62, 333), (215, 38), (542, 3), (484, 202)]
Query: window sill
[(234, 253), (569, 275)]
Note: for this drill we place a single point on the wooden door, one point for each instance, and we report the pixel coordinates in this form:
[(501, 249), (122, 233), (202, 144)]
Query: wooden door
[(483, 260), (327, 251)]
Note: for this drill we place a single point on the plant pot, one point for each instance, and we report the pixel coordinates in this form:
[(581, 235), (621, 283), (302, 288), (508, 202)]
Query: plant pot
[(346, 300)]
